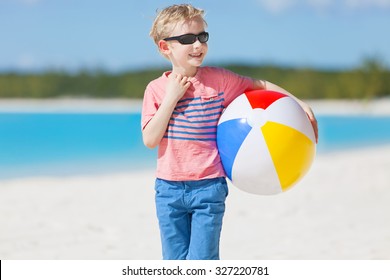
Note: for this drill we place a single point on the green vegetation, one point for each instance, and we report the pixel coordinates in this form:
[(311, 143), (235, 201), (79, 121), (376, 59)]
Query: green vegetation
[(371, 80)]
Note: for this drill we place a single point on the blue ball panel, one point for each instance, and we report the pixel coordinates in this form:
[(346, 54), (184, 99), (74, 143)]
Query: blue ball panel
[(230, 136)]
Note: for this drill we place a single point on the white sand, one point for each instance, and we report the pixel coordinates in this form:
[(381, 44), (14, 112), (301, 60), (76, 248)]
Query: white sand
[(340, 210)]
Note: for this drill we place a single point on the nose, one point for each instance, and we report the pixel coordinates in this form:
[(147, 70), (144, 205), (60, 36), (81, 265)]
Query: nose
[(197, 43)]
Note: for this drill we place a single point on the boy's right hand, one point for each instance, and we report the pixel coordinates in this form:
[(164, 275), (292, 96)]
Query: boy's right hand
[(154, 131), (177, 86)]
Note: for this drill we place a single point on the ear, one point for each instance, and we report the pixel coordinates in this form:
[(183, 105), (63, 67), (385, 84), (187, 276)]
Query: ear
[(163, 47)]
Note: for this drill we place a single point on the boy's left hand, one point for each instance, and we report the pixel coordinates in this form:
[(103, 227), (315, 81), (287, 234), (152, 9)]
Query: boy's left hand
[(312, 118)]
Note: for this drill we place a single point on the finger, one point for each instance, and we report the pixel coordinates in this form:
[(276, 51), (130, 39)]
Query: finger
[(314, 123), (185, 81), (315, 128), (187, 85)]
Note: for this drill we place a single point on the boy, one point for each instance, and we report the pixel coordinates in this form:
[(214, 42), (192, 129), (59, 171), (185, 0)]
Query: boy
[(180, 115)]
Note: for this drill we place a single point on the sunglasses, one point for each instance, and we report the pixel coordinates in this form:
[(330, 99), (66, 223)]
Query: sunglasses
[(188, 39)]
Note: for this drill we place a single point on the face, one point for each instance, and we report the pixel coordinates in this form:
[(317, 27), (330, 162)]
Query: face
[(185, 58)]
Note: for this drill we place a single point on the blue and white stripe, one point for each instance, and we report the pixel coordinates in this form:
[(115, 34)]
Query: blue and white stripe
[(196, 119)]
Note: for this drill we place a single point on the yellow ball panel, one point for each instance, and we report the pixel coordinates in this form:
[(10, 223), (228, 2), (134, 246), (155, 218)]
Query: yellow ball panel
[(292, 152)]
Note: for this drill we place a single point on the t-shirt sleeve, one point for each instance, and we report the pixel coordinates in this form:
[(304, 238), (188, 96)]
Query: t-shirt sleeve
[(149, 106), (234, 85)]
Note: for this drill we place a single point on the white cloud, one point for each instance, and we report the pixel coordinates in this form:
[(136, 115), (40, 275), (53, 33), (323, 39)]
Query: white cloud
[(320, 4), (277, 6), (280, 6), (26, 61)]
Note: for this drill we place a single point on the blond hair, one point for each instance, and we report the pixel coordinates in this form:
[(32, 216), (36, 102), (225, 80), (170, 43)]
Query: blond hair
[(167, 19)]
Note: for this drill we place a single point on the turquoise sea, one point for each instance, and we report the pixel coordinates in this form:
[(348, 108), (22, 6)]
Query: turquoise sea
[(36, 144)]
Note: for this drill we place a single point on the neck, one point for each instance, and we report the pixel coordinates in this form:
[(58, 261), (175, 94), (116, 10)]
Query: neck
[(189, 72)]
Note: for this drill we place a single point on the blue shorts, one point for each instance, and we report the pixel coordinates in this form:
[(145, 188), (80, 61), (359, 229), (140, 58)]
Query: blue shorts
[(190, 217)]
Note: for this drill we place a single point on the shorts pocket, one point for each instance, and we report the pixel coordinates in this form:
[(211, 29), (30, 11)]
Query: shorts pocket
[(222, 187)]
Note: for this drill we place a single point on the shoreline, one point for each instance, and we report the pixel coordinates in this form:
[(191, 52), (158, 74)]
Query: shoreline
[(118, 105), (70, 105)]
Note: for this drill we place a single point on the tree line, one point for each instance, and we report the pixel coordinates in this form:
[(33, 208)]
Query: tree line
[(370, 80)]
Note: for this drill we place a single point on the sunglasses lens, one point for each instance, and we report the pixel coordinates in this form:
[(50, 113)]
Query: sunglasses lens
[(187, 39), (203, 37)]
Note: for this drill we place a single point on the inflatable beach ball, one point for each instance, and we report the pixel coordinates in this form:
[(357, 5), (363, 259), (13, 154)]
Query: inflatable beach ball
[(266, 142)]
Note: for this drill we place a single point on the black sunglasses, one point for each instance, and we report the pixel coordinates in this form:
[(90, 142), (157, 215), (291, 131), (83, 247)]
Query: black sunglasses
[(188, 39)]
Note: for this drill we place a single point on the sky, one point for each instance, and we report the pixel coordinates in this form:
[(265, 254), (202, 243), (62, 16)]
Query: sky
[(113, 35)]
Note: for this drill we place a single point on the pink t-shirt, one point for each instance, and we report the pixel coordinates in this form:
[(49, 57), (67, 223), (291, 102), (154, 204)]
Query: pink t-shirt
[(188, 150)]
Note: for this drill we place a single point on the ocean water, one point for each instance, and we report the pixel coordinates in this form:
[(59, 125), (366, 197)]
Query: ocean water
[(40, 144), (34, 144)]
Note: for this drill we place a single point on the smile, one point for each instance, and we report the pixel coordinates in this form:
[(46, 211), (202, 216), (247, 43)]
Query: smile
[(196, 55)]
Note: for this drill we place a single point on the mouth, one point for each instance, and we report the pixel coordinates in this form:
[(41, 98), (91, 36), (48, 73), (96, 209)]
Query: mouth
[(196, 55)]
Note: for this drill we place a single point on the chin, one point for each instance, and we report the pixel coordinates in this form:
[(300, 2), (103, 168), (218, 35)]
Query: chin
[(196, 63)]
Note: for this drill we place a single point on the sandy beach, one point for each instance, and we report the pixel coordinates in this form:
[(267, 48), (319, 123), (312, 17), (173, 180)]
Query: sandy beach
[(340, 210)]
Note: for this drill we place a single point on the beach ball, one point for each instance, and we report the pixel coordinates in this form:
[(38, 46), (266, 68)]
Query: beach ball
[(266, 142)]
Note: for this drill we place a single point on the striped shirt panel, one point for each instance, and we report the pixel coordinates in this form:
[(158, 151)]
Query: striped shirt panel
[(196, 119)]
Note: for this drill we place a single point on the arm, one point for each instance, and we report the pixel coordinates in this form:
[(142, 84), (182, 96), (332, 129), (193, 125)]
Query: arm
[(154, 131), (261, 84)]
